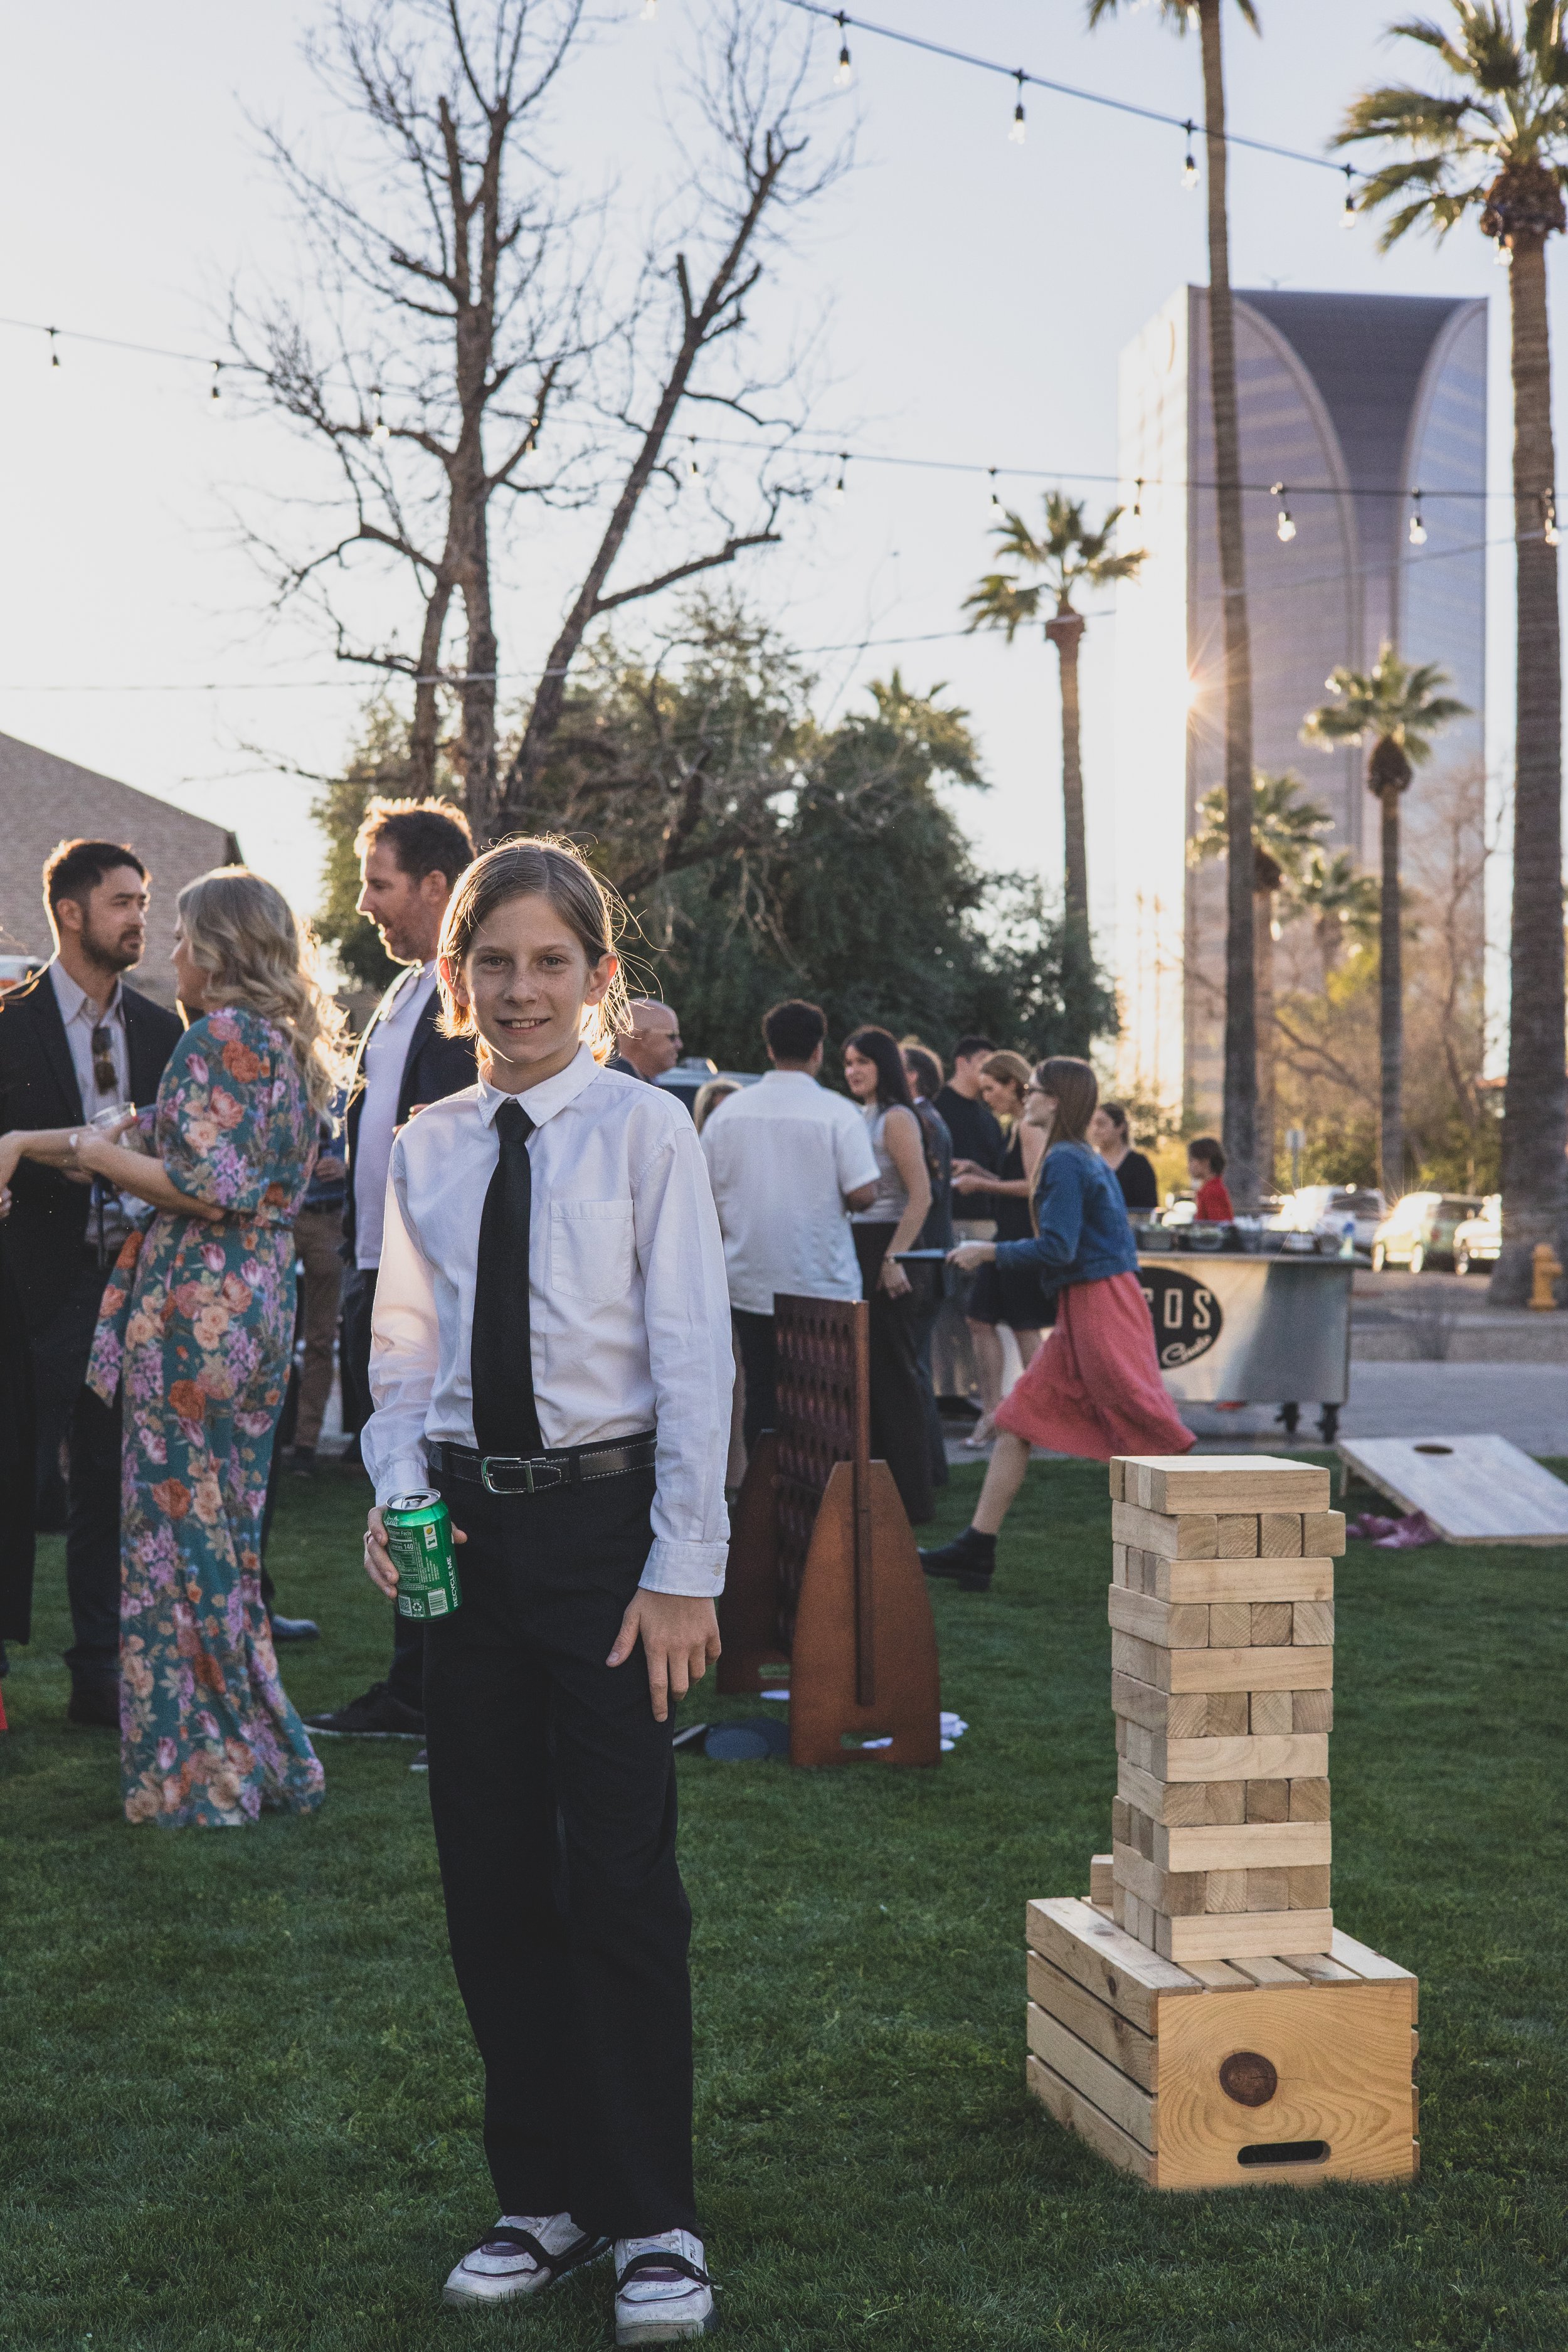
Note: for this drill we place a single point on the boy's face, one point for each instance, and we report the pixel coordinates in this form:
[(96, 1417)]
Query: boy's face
[(1198, 1170), (527, 977)]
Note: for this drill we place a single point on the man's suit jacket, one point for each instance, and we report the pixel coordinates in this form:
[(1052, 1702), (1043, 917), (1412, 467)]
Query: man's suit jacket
[(47, 1228), (433, 1067)]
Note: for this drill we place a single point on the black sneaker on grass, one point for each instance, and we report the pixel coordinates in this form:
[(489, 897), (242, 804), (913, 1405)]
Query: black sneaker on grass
[(968, 1561), (374, 1715)]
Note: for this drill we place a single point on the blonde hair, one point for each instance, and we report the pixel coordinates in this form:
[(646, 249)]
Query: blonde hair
[(254, 951), (539, 865), (710, 1095), (1008, 1069)]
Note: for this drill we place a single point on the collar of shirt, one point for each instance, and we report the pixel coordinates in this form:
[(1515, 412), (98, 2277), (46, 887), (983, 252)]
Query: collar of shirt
[(551, 1094), (73, 999)]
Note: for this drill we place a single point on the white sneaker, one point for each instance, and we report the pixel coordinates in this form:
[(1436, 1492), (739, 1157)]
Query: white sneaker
[(662, 2291), (524, 2253)]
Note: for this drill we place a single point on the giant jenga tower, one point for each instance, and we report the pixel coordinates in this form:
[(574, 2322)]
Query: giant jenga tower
[(1221, 1615)]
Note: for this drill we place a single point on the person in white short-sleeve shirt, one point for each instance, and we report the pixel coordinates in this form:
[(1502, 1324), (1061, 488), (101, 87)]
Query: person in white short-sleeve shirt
[(788, 1162)]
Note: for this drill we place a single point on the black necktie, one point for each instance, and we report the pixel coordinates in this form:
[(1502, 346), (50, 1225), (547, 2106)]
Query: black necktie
[(501, 1359)]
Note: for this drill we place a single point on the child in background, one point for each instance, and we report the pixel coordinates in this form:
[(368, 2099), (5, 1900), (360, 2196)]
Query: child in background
[(1205, 1166)]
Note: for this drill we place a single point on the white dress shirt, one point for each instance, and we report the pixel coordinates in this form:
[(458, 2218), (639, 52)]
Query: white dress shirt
[(629, 1321), (782, 1156), (81, 1017), (381, 1067)]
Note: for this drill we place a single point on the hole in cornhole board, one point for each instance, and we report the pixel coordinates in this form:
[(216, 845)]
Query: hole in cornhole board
[(751, 1742), (1480, 1489), (1284, 2151)]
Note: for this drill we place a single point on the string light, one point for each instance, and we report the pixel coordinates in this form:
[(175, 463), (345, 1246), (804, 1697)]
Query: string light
[(217, 371), (1190, 168), (843, 69), (1284, 529), (692, 468), (1417, 528), (1019, 129), (1503, 257), (836, 495), (380, 431), (995, 501), (1138, 495), (1347, 217), (54, 352), (1549, 531)]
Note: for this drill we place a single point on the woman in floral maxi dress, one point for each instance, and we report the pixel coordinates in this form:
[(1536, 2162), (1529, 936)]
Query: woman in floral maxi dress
[(197, 1325)]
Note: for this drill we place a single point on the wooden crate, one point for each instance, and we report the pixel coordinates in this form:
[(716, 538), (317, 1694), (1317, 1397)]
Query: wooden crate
[(1225, 2074)]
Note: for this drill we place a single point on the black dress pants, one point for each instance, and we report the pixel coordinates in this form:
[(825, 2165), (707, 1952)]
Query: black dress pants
[(899, 1431), (552, 1790), (758, 1343), (405, 1676), (65, 1408)]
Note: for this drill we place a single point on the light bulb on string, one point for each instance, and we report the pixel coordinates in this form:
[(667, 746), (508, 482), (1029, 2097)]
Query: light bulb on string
[(380, 431), (694, 469), (1138, 495), (995, 508), (54, 353), (836, 495), (1284, 529), (1347, 217), (1549, 531), (1503, 257), (217, 387), (1190, 168), (1020, 129), (1417, 528), (843, 69)]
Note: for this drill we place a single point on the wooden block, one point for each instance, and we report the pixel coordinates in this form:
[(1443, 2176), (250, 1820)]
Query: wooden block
[(1179, 1672), (1312, 1622), (1279, 1535), (1116, 1467), (1317, 1968), (1251, 1846), (1100, 2079), (1231, 1935), (1119, 1563), (1120, 1812), (1235, 1482), (1236, 1536), (1099, 1957), (1139, 1832), (1323, 1532), (1271, 1624), (1138, 1700), (1235, 1581), (1312, 1710), (1174, 1892), (1268, 1890), (1169, 1625), (1227, 1801), (1192, 1537), (1269, 1800), (1304, 1756), (1100, 1878), (1261, 1969), (1218, 1976), (1227, 1717), (1270, 1711), (1138, 1745), (1230, 1624), (1309, 1800), (1102, 2028), (1119, 1904), (1081, 2114), (1308, 1889), (1224, 1890)]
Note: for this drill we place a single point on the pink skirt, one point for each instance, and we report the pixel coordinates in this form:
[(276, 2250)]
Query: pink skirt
[(1094, 1387)]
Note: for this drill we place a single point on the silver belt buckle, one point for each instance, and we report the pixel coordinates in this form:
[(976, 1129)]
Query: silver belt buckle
[(535, 1475)]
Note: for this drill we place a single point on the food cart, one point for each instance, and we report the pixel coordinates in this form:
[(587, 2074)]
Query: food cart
[(1239, 1319)]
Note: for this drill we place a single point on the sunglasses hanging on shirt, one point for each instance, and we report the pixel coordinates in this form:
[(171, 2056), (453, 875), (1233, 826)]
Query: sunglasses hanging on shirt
[(104, 1075)]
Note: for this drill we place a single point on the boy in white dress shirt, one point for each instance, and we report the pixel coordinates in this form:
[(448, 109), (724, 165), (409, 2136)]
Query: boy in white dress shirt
[(552, 1354)]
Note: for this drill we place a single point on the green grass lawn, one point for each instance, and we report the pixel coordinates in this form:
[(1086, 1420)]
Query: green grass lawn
[(238, 2105)]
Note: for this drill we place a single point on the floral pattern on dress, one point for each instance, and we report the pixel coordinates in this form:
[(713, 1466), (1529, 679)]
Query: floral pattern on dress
[(197, 1325)]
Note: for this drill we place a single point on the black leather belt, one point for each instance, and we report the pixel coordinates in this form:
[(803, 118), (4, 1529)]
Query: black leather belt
[(567, 1466)]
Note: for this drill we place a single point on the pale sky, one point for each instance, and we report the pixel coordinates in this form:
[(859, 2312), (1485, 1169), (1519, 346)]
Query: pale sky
[(976, 296)]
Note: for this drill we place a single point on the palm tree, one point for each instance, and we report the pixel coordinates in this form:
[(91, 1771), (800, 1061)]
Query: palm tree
[(1398, 704), (1336, 900), (1240, 1096), (1287, 830), (1070, 556), (1494, 145)]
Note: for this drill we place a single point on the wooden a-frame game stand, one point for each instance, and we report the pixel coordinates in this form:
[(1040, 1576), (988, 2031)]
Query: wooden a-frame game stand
[(823, 1567)]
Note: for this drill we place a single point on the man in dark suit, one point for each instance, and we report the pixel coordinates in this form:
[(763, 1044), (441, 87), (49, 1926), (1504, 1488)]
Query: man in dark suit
[(411, 854), (74, 1042)]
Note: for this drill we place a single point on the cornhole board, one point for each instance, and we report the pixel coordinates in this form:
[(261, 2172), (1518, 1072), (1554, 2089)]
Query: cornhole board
[(1474, 1490)]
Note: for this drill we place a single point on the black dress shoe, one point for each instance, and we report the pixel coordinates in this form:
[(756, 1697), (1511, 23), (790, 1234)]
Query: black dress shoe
[(94, 1706), (374, 1715), (302, 1461), (969, 1560), (294, 1629)]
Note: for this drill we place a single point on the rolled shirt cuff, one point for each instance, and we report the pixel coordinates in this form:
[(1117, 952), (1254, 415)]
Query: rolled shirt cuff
[(696, 1569)]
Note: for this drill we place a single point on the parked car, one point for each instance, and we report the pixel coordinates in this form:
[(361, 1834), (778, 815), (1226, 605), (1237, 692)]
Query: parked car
[(1478, 1241), (1419, 1231), (1320, 1210)]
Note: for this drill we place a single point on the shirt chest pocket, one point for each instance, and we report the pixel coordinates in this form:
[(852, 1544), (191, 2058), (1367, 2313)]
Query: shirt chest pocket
[(591, 1256)]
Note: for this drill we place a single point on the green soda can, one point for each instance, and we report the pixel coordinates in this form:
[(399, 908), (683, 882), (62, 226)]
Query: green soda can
[(420, 1538)]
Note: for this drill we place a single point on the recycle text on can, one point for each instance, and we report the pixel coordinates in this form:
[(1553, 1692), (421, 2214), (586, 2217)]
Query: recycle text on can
[(420, 1538)]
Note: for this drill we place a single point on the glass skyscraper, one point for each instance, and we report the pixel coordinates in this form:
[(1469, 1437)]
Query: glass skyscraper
[(1369, 410)]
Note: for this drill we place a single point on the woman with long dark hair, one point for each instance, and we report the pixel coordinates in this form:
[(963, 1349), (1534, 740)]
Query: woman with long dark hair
[(1094, 1387), (875, 1075)]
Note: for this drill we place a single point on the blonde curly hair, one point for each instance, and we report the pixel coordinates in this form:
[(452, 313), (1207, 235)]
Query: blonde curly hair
[(256, 952)]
